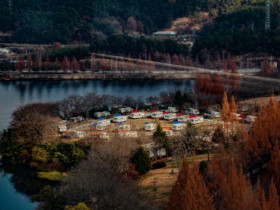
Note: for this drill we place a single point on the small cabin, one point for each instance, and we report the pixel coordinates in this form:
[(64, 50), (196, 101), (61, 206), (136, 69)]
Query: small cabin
[(177, 126), (137, 115)]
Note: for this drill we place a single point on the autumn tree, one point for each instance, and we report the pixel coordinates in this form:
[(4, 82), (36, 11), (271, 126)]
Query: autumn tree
[(29, 61), (65, 64), (190, 191), (225, 108), (231, 189), (20, 63)]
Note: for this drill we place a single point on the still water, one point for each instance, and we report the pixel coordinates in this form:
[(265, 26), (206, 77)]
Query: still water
[(16, 93)]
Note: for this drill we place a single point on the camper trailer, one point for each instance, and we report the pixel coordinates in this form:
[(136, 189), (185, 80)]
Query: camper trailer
[(184, 118), (192, 111), (119, 118), (172, 109), (196, 120), (102, 122), (169, 116), (177, 126), (211, 114), (137, 115), (157, 114)]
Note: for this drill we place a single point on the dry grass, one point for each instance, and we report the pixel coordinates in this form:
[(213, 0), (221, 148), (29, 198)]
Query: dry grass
[(158, 183)]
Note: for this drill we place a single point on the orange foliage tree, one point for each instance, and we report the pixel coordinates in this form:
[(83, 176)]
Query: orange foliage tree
[(190, 191)]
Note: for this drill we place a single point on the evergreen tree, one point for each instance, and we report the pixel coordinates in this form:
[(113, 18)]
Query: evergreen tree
[(141, 160)]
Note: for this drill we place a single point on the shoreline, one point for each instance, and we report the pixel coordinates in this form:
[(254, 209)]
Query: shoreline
[(94, 76)]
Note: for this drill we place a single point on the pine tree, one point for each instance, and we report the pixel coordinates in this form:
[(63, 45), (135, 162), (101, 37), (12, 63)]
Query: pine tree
[(142, 161)]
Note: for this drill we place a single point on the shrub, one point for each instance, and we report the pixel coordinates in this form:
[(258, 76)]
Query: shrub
[(159, 164)]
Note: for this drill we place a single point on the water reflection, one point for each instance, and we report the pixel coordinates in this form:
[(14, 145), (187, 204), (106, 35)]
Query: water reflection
[(15, 181)]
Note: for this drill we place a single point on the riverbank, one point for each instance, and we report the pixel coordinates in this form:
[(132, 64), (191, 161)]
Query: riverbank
[(95, 76)]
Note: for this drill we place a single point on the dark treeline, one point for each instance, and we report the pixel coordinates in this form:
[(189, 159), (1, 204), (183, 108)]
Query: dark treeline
[(242, 31), (83, 21)]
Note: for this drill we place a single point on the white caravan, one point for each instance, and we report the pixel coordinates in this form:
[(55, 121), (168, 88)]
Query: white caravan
[(137, 115)]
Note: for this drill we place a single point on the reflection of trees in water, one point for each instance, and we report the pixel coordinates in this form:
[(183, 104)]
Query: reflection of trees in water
[(21, 87), (24, 180), (6, 84)]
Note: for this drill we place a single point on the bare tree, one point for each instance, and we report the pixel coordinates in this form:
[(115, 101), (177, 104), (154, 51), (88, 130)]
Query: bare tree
[(100, 182)]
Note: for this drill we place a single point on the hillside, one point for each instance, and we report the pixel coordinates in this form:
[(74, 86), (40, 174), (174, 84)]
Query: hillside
[(82, 21)]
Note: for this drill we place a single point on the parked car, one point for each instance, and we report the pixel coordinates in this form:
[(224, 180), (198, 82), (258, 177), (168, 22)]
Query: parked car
[(192, 111)]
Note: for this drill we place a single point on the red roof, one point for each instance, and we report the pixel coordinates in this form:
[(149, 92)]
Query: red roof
[(164, 112), (135, 111), (153, 110), (243, 116), (179, 115), (192, 116)]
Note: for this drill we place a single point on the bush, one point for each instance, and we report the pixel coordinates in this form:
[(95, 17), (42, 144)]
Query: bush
[(142, 161), (159, 164)]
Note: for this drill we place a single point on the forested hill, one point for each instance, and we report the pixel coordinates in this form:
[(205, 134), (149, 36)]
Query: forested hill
[(44, 21)]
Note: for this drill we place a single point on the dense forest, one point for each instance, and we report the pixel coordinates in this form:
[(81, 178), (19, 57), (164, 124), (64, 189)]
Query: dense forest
[(85, 20)]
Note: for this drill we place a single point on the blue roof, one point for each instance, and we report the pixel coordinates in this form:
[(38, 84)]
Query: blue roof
[(117, 115), (145, 123), (101, 118), (176, 123), (119, 124)]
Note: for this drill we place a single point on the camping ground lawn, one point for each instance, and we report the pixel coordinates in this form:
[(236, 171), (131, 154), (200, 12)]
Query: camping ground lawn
[(159, 182)]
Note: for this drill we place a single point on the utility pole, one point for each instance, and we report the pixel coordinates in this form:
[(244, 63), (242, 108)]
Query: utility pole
[(267, 15)]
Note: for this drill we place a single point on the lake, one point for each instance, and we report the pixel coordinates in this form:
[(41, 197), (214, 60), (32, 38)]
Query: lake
[(16, 93)]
